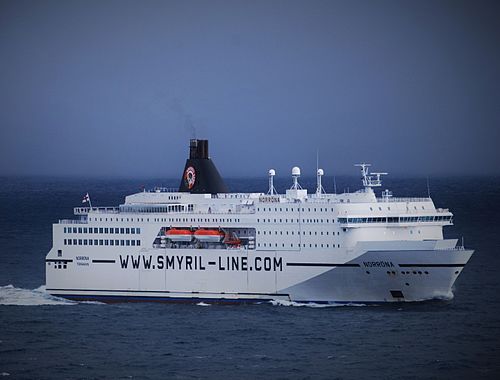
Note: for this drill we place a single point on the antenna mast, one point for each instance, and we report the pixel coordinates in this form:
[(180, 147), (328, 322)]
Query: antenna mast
[(272, 190), (319, 187)]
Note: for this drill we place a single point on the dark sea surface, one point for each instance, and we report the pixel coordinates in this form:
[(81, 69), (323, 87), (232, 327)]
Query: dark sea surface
[(46, 338)]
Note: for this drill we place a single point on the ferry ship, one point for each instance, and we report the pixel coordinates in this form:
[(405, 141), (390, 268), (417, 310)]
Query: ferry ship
[(202, 243)]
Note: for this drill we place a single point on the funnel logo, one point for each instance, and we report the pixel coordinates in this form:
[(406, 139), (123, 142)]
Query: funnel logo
[(190, 177)]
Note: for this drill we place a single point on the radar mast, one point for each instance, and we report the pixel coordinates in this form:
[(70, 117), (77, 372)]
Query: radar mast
[(368, 178)]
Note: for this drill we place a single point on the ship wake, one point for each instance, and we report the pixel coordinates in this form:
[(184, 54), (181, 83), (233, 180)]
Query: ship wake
[(10, 295), (312, 304)]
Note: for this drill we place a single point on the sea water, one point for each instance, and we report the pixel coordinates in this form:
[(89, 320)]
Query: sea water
[(44, 337)]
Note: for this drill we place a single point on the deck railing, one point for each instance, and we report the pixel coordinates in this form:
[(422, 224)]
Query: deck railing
[(86, 210), (401, 199)]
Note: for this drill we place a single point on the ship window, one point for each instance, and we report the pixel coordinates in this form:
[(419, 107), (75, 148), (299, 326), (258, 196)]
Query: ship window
[(138, 242), (59, 252), (106, 242), (84, 241), (106, 230), (84, 230), (69, 241), (64, 241), (64, 229), (133, 242), (122, 230), (74, 230), (101, 230), (132, 230), (90, 241), (95, 241), (101, 242), (127, 230), (79, 241), (117, 242), (95, 230), (122, 242), (127, 242)]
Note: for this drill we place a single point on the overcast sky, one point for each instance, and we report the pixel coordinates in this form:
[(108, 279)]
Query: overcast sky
[(117, 88)]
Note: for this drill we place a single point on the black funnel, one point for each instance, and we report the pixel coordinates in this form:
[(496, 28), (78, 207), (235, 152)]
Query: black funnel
[(200, 175)]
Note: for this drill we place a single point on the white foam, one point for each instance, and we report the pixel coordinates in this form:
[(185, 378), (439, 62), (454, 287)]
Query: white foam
[(311, 304), (444, 296), (10, 295), (202, 304)]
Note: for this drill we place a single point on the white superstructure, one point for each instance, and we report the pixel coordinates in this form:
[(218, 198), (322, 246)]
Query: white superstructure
[(188, 246)]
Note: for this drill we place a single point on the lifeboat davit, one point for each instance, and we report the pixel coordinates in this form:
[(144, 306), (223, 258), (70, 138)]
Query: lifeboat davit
[(179, 235), (232, 240), (209, 236)]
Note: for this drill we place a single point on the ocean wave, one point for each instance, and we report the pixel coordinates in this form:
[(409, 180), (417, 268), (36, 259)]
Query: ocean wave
[(311, 304), (10, 295)]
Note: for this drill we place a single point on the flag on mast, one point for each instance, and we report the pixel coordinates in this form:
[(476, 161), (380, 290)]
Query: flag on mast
[(86, 199)]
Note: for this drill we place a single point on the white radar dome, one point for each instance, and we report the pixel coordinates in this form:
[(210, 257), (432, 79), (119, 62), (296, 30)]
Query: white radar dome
[(320, 172), (272, 172), (296, 171)]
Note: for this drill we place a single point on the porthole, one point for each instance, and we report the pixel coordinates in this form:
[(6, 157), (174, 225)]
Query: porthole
[(407, 284), (367, 272)]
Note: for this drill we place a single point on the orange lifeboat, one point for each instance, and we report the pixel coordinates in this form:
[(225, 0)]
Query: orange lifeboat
[(208, 236), (179, 235)]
